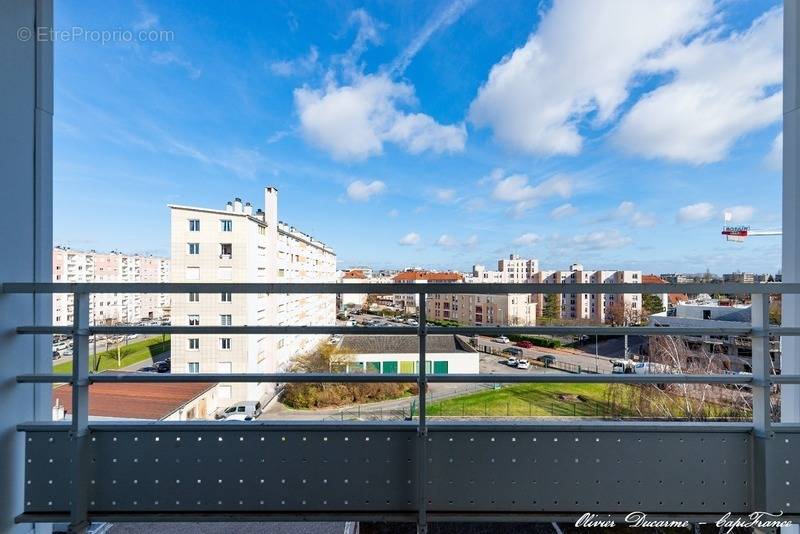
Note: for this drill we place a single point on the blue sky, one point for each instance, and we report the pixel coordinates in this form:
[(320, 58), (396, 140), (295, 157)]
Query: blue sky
[(440, 134)]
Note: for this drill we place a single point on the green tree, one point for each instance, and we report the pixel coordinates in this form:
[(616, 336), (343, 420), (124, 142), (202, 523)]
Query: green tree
[(551, 309), (652, 304)]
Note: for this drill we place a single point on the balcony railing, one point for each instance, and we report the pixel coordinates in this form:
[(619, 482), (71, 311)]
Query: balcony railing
[(415, 470)]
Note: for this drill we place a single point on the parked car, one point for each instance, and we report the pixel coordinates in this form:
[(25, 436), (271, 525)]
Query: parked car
[(501, 339), (547, 359), (622, 366), (512, 362), (148, 369), (522, 363), (243, 408), (335, 339), (237, 417), (525, 344), (56, 355), (162, 367), (514, 351), (133, 336)]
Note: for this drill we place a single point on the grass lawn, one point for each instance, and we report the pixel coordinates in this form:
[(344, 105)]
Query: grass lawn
[(130, 354), (531, 400)]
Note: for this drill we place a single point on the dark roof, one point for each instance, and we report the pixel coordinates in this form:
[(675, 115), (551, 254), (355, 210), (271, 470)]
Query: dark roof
[(134, 401), (389, 344)]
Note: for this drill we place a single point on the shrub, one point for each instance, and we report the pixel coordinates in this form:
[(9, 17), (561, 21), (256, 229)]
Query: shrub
[(538, 341)]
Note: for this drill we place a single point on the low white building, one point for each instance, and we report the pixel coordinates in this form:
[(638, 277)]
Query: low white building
[(387, 354)]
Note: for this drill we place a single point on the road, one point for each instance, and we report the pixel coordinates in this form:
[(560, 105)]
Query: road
[(587, 361), (102, 346)]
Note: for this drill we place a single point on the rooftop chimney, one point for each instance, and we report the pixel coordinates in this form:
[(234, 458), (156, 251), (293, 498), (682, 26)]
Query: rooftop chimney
[(229, 206), (237, 205), (271, 206), (248, 209)]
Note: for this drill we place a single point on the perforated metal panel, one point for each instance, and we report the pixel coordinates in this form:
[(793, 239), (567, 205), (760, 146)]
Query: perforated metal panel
[(589, 471), (783, 469), (469, 471)]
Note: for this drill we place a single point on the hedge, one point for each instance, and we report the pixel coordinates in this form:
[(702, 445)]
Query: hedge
[(538, 341)]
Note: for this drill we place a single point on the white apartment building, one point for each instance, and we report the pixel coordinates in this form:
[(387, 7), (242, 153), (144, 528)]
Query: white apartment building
[(513, 269), (71, 265), (517, 309), (237, 245), (571, 304), (409, 302)]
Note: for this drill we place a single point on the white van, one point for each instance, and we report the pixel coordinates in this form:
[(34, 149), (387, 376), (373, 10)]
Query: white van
[(242, 409)]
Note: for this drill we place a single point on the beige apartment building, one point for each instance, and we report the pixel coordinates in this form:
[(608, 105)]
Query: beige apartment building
[(409, 302), (517, 309), (71, 265), (236, 244)]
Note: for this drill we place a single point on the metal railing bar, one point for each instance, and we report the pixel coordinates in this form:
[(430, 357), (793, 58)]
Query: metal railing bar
[(433, 426), (531, 378), (730, 288), (408, 330)]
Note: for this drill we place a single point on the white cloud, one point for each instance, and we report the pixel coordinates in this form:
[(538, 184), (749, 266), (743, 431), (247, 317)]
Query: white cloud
[(527, 239), (475, 204), (471, 241), (625, 208), (352, 122), (702, 211), (643, 220), (444, 18), (740, 214), (603, 239), (492, 177), (147, 19), (393, 213), (410, 239), (446, 241), (296, 67), (445, 195), (564, 210), (774, 159), (362, 191), (578, 63), (723, 88), (627, 211), (515, 188), (171, 58)]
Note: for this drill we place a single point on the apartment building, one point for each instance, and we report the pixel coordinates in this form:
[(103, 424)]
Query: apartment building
[(352, 300), (571, 303), (236, 244), (409, 302), (70, 265), (517, 309), (510, 270)]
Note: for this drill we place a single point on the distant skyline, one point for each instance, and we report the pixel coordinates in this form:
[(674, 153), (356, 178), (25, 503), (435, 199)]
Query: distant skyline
[(438, 134)]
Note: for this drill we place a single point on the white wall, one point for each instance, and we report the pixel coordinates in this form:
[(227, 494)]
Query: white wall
[(457, 362), (26, 108)]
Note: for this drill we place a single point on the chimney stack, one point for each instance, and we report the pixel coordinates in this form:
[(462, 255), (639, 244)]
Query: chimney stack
[(237, 205), (271, 206), (248, 209), (229, 206)]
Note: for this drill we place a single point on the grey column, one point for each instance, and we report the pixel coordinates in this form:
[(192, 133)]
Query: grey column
[(26, 109)]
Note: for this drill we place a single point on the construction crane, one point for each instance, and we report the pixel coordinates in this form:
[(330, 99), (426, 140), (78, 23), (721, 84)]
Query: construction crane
[(741, 232)]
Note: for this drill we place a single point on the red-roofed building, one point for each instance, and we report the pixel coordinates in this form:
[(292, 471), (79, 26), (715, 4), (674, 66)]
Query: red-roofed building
[(143, 401), (667, 299)]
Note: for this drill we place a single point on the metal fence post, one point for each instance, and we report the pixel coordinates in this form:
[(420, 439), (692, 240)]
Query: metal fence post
[(422, 429), (79, 431), (761, 365)]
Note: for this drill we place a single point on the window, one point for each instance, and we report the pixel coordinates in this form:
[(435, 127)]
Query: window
[(194, 297), (194, 248), (225, 250), (706, 314), (193, 367), (224, 367), (224, 273), (194, 225), (194, 320), (225, 297), (225, 343), (192, 273), (226, 225), (194, 343), (225, 320)]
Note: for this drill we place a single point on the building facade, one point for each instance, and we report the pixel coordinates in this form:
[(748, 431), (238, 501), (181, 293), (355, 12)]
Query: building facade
[(71, 265), (236, 244), (409, 302), (517, 309)]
